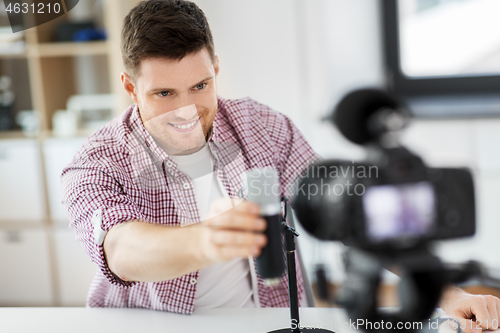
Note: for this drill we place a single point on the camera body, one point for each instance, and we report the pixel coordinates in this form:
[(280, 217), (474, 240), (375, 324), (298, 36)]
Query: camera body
[(390, 202)]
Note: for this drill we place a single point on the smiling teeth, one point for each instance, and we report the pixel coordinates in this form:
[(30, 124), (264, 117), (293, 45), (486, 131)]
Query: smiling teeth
[(186, 126)]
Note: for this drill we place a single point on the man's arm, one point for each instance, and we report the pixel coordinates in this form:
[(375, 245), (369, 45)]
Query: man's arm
[(135, 250), (141, 251), (474, 312)]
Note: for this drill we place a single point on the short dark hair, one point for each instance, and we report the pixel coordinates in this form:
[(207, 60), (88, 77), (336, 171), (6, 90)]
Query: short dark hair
[(168, 29)]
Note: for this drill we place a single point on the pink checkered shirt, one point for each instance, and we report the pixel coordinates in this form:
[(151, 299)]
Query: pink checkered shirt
[(123, 172)]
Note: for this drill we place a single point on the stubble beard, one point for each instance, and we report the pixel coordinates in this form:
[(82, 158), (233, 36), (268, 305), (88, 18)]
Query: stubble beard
[(181, 147)]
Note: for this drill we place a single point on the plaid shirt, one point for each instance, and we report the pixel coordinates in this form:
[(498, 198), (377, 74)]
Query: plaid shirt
[(122, 174)]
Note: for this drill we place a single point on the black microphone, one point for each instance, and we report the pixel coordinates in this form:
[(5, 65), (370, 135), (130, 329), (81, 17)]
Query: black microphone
[(364, 115), (262, 187)]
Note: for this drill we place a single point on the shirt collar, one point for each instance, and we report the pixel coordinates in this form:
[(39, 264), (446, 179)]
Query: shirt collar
[(142, 133)]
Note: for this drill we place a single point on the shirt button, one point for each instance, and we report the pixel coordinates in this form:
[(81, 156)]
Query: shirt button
[(193, 281), (186, 185), (169, 164)]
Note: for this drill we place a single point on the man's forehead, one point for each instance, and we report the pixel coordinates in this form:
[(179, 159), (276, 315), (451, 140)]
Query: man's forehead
[(174, 74)]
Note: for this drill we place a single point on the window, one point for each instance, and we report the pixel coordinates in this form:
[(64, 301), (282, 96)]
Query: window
[(443, 56)]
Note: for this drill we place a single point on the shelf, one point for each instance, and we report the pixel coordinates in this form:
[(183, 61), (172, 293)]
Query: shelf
[(13, 50), (8, 135), (81, 133), (65, 49), (15, 135), (13, 55), (23, 224)]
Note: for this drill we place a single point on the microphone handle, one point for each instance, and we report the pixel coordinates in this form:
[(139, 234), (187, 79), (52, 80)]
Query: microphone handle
[(271, 263)]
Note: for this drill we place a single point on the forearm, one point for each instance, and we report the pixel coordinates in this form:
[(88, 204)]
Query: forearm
[(140, 251), (450, 294)]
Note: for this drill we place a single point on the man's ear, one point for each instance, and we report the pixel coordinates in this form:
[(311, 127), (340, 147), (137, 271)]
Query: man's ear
[(129, 86), (216, 65)]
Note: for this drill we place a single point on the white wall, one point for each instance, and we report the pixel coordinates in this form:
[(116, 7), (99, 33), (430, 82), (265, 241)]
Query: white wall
[(258, 51), (471, 143)]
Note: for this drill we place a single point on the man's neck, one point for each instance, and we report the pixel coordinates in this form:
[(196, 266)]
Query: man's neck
[(185, 152)]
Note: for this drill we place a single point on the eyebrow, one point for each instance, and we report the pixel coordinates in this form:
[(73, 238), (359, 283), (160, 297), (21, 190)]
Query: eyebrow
[(156, 90)]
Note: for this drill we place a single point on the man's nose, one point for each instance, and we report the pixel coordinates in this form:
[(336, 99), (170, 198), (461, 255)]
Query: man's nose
[(185, 108), (186, 112)]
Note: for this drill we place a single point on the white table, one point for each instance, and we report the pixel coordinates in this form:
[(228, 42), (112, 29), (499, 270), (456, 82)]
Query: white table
[(113, 320), (87, 320)]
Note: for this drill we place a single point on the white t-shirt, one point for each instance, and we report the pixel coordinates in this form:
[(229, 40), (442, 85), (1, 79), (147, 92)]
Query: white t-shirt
[(227, 284)]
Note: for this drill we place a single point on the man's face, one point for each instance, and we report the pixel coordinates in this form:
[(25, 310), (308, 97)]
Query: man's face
[(177, 100)]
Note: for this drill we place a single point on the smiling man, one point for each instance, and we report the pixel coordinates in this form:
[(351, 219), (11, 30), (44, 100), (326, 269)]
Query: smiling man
[(151, 195)]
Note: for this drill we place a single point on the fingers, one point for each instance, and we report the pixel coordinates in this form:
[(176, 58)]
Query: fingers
[(467, 326), (232, 244), (491, 304), (244, 216), (226, 253), (480, 309), (235, 220), (238, 238), (484, 311), (237, 204), (219, 244), (497, 302), (234, 231)]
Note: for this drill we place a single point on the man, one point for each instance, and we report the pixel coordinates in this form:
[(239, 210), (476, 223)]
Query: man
[(151, 194), (139, 186)]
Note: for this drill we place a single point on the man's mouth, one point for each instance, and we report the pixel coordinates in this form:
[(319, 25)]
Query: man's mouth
[(186, 125)]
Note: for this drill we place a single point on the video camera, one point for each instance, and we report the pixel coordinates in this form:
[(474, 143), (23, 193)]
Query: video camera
[(388, 209)]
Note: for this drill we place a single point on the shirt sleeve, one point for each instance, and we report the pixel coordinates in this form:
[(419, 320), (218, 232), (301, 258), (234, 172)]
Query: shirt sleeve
[(295, 156), (95, 200)]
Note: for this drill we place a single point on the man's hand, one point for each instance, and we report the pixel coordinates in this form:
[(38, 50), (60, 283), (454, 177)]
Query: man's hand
[(474, 312), (232, 231)]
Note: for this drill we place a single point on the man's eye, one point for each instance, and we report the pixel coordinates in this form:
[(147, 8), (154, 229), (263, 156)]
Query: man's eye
[(163, 93), (201, 86)]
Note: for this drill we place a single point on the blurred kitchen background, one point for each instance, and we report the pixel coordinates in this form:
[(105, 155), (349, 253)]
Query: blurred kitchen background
[(60, 81)]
